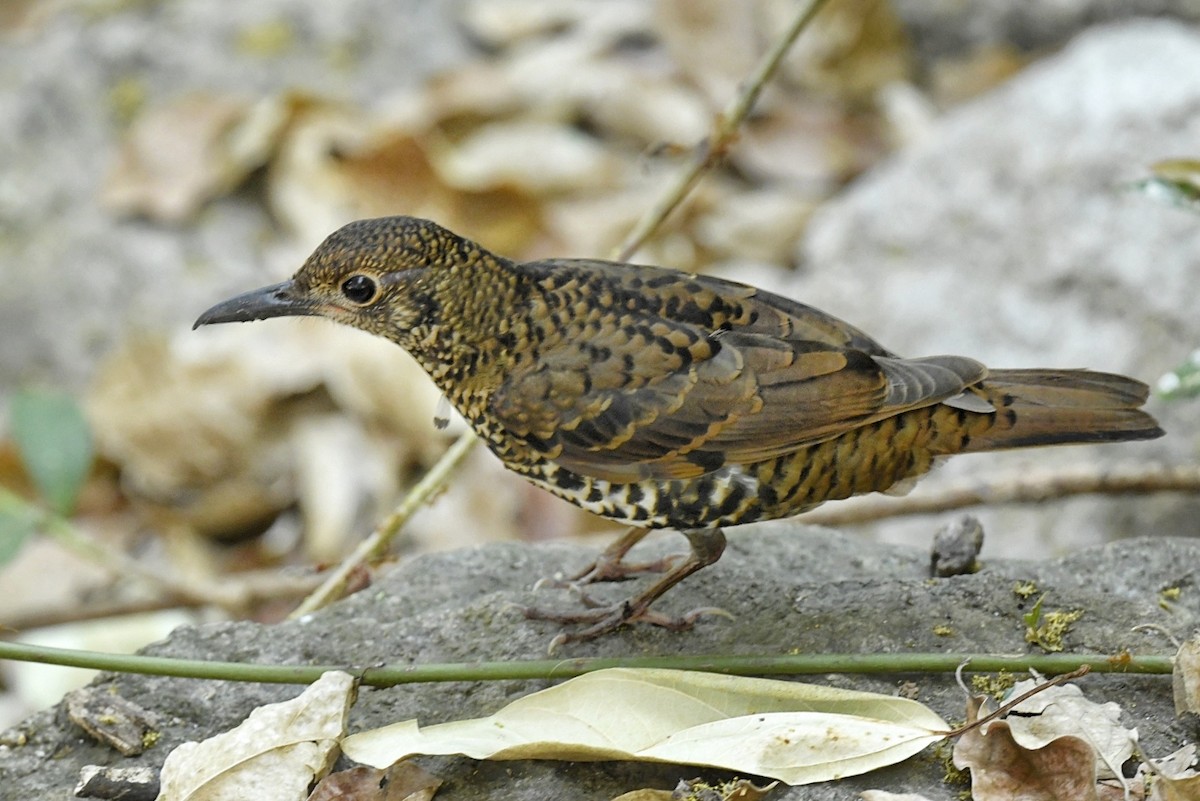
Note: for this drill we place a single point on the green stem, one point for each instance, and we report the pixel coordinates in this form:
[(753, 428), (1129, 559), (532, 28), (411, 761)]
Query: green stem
[(760, 665)]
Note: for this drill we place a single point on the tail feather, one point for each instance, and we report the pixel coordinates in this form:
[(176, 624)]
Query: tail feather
[(1051, 407)]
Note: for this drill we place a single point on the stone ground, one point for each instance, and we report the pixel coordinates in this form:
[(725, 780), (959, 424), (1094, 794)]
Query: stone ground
[(790, 588)]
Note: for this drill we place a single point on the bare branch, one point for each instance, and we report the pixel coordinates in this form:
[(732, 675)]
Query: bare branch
[(1025, 487)]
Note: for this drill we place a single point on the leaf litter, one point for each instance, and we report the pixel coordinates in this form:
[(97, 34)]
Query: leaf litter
[(793, 732), (274, 755)]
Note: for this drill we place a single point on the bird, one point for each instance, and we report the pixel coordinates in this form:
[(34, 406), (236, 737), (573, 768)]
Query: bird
[(666, 399)]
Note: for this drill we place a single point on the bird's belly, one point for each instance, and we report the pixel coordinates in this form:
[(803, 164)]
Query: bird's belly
[(872, 458), (728, 496)]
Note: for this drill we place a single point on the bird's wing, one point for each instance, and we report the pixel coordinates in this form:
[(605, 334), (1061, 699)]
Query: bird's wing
[(658, 374)]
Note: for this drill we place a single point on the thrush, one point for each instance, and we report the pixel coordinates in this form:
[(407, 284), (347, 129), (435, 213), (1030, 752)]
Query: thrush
[(665, 399)]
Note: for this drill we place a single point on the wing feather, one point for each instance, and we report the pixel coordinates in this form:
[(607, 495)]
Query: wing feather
[(680, 374)]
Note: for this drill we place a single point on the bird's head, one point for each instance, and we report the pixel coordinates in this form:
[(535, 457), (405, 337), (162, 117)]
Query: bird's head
[(380, 275)]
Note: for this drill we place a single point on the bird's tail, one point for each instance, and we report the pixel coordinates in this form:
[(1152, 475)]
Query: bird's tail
[(1052, 407)]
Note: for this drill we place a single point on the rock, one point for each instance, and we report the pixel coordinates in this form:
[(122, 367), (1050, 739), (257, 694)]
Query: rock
[(1010, 235), (950, 28), (791, 589)]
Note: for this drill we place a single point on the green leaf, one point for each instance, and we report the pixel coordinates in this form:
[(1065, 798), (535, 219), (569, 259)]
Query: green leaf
[(55, 445), (1183, 381), (18, 521), (1175, 182)]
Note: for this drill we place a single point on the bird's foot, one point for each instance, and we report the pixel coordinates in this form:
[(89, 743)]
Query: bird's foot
[(608, 568), (600, 618)]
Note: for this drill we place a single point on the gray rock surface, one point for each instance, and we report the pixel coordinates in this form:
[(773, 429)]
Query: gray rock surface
[(949, 27), (791, 588), (1010, 235)]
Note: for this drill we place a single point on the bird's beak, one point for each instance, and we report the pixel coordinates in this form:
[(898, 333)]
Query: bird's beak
[(277, 300)]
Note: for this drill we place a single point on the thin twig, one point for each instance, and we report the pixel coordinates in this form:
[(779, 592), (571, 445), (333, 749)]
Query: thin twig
[(1013, 703), (78, 542), (375, 546), (249, 588), (1025, 487), (706, 155)]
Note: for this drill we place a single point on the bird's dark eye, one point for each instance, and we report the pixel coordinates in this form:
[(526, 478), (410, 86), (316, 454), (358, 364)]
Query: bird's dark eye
[(359, 289)]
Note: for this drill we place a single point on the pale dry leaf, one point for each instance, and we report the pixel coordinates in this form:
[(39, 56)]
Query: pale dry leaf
[(178, 156), (595, 222), (404, 781), (504, 23), (184, 415), (1063, 710), (306, 186), (620, 100), (810, 145), (1185, 677), (762, 225), (474, 91), (338, 467), (274, 755), (714, 43), (954, 80), (206, 426), (338, 164), (501, 23), (1175, 776), (851, 49), (535, 157), (793, 732), (1133, 789)]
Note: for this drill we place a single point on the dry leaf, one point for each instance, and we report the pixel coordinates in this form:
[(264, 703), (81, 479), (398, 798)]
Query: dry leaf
[(178, 156), (1175, 777), (809, 145), (539, 158), (274, 755), (338, 164), (754, 226), (793, 732), (503, 23), (714, 43), (1185, 677), (211, 425), (851, 50), (404, 781), (1002, 769), (1064, 711), (954, 80)]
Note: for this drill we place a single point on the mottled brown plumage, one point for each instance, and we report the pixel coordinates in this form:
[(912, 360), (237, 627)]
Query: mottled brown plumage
[(664, 399)]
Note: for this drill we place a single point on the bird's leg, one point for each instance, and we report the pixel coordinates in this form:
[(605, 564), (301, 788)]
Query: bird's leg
[(707, 546), (610, 565)]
